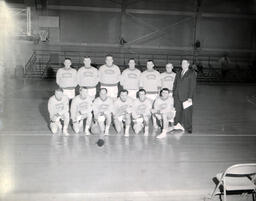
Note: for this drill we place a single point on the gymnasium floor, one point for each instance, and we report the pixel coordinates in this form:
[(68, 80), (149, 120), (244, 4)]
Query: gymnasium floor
[(36, 166)]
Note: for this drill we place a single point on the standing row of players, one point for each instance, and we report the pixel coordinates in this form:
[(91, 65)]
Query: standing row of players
[(147, 84)]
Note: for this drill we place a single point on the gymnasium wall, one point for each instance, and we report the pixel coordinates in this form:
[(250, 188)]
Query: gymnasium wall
[(170, 31)]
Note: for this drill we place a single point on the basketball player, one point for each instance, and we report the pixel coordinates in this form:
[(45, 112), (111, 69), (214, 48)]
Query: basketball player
[(81, 109), (130, 79), (88, 77), (58, 108), (122, 112), (66, 78), (141, 112), (150, 81), (164, 110), (102, 109), (109, 76), (167, 77)]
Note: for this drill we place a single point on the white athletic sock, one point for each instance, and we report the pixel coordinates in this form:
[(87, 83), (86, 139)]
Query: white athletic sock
[(146, 131), (127, 130), (107, 130)]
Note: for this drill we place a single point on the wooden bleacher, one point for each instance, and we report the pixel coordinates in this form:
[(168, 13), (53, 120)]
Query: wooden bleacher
[(44, 63)]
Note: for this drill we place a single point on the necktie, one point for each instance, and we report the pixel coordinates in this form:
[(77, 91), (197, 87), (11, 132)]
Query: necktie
[(182, 73)]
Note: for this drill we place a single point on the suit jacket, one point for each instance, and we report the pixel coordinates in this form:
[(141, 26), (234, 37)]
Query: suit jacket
[(184, 87)]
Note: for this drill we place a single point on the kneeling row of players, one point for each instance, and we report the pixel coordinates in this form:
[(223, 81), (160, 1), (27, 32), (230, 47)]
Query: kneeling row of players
[(126, 112)]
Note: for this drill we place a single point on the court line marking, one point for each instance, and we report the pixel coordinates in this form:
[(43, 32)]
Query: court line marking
[(140, 135)]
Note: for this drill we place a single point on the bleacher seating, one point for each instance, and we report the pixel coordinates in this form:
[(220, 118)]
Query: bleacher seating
[(44, 63)]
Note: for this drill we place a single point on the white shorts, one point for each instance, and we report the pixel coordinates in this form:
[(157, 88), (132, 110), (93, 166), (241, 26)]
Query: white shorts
[(132, 93), (112, 91), (92, 92), (70, 93), (82, 116), (170, 116)]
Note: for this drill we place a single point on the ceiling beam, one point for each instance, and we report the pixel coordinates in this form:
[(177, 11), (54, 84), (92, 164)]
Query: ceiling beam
[(153, 12)]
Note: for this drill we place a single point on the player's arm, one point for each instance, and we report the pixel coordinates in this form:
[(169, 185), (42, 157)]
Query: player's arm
[(148, 109), (122, 78), (78, 77), (75, 78), (174, 88), (141, 81), (158, 82), (118, 74), (58, 75), (154, 109), (66, 106), (101, 74), (134, 111), (111, 107), (52, 111), (97, 76), (95, 109), (73, 109)]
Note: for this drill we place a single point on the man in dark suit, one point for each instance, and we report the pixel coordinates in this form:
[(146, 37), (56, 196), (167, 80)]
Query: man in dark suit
[(183, 91)]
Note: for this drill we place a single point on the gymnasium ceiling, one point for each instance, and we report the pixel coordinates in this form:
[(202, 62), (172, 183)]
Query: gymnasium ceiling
[(215, 6)]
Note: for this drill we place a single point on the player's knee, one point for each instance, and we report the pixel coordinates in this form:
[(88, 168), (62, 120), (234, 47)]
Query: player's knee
[(101, 119), (89, 116), (66, 116)]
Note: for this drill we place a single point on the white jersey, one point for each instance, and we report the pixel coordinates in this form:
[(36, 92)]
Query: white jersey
[(167, 80), (121, 107), (109, 76), (88, 77), (103, 106), (130, 79), (142, 107), (80, 106), (164, 106), (66, 78), (58, 107), (150, 81)]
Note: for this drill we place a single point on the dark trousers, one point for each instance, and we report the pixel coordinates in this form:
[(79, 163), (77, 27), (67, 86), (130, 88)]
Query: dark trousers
[(183, 116)]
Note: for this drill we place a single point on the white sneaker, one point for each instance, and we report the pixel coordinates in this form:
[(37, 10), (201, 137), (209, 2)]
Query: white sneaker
[(179, 127), (126, 134), (162, 135), (106, 132), (137, 128), (65, 132)]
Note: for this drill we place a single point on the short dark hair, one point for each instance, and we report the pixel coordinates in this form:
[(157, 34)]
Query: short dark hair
[(124, 91), (109, 55), (103, 89), (81, 88), (59, 89), (87, 57), (67, 58), (150, 60), (164, 89), (142, 90), (131, 59)]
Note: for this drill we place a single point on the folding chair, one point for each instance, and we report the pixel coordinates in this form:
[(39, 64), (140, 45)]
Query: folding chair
[(239, 178)]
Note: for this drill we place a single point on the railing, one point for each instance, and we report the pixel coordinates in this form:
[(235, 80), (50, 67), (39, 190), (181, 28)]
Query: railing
[(54, 58), (29, 65)]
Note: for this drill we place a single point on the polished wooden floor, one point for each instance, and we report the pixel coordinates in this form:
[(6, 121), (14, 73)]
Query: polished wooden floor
[(36, 166)]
